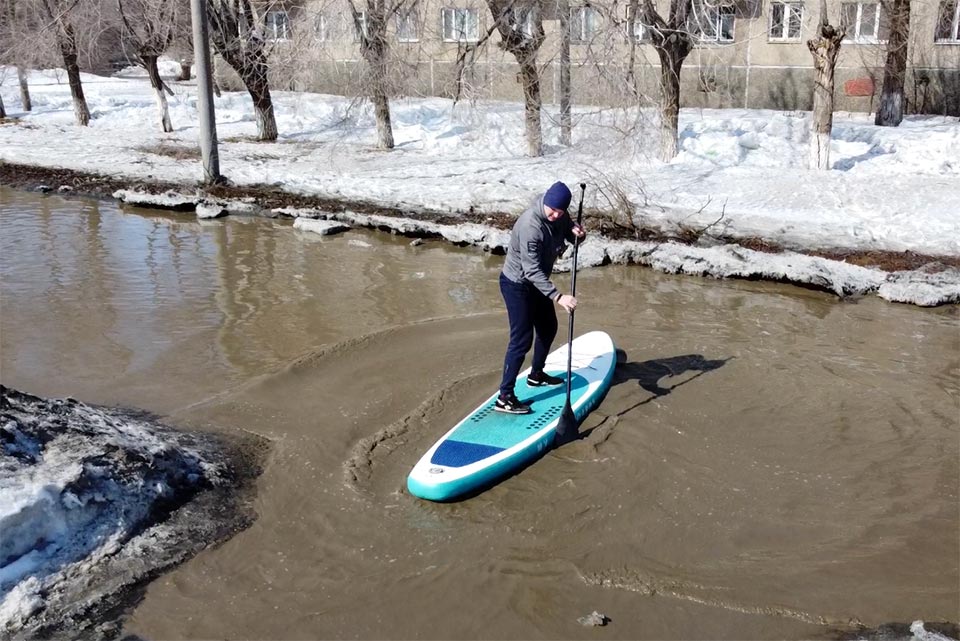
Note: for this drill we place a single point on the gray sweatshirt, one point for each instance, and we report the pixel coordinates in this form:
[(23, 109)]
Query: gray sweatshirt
[(535, 244)]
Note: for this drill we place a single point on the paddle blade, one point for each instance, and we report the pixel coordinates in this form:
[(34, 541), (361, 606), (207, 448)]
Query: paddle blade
[(567, 426)]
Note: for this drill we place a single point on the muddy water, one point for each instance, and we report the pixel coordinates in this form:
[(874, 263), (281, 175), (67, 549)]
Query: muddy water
[(770, 462)]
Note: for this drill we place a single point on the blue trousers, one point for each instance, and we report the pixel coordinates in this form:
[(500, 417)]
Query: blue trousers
[(531, 314)]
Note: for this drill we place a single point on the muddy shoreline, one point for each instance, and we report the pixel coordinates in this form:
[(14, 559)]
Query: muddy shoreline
[(68, 182), (207, 484)]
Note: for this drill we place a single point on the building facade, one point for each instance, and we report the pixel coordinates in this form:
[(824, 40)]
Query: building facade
[(748, 53)]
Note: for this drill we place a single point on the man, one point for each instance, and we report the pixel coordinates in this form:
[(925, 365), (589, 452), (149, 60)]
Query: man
[(539, 236)]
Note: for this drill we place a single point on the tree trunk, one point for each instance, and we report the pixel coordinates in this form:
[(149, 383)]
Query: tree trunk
[(155, 81), (68, 49), (185, 67), (374, 50), (3, 112), (24, 89), (566, 122), (381, 107), (255, 80), (633, 11), (890, 110), (672, 55), (825, 49), (531, 105)]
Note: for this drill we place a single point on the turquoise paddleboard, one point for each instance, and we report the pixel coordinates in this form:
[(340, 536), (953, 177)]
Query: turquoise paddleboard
[(488, 445)]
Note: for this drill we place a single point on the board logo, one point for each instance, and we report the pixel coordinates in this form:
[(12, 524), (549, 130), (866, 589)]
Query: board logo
[(436, 470)]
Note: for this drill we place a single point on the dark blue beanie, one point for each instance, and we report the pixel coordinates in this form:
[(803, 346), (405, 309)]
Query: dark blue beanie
[(558, 196)]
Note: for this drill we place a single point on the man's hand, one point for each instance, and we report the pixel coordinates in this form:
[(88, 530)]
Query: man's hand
[(567, 302), (579, 231)]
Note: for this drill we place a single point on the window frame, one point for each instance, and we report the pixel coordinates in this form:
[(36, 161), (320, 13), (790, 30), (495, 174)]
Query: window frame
[(719, 11), (410, 17), (270, 25), (953, 38), (364, 31), (321, 27), (461, 35), (637, 30), (856, 37), (788, 8), (526, 12), (582, 32)]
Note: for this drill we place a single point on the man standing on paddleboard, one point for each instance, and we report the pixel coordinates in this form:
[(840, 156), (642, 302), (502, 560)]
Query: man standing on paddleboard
[(539, 236)]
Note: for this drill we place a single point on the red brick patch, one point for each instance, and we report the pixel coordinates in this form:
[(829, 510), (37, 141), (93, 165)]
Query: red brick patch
[(858, 87)]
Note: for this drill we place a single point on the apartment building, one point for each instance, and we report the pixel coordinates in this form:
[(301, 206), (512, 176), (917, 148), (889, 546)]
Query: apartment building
[(748, 53)]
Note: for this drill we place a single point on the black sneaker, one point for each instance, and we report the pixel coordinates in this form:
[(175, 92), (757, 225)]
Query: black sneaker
[(511, 405), (542, 379)]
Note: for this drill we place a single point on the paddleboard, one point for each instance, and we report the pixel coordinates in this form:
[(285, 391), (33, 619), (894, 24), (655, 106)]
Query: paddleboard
[(488, 445)]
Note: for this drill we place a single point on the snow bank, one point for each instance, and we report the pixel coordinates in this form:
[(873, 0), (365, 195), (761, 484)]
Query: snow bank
[(85, 495), (322, 227), (931, 286)]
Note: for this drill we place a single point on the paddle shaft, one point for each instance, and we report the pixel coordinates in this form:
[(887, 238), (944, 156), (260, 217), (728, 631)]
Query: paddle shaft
[(573, 292)]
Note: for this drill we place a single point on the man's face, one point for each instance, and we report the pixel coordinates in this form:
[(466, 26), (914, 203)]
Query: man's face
[(552, 214)]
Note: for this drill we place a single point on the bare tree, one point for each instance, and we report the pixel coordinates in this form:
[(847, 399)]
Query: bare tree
[(238, 36), (825, 49), (371, 29), (24, 89), (57, 14), (520, 26), (633, 13), (673, 43), (566, 121), (3, 111), (10, 25), (151, 25), (890, 110)]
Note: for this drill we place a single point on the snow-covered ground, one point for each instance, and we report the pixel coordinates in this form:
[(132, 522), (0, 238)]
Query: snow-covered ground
[(895, 189), (84, 501)]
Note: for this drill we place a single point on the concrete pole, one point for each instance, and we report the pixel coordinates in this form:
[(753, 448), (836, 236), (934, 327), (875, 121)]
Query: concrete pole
[(208, 122)]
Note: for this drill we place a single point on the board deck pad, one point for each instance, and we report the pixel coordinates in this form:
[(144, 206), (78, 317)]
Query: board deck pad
[(488, 430), (487, 444)]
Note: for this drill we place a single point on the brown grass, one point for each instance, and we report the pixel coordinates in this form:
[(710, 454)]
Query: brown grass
[(177, 152)]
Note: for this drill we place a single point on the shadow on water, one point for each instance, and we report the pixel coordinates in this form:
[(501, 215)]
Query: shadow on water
[(648, 375)]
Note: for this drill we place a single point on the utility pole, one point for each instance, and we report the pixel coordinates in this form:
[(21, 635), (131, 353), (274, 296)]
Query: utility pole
[(208, 122)]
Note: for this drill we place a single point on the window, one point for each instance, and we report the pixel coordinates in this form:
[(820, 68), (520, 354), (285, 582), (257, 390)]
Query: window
[(322, 31), (583, 24), (277, 25), (408, 29), (460, 25), (360, 29), (948, 22), (711, 22), (865, 22), (786, 19), (521, 19), (636, 30)]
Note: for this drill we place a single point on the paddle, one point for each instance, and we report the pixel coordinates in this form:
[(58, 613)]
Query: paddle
[(567, 426)]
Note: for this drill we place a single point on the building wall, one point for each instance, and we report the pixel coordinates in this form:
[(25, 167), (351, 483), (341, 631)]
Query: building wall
[(751, 71)]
